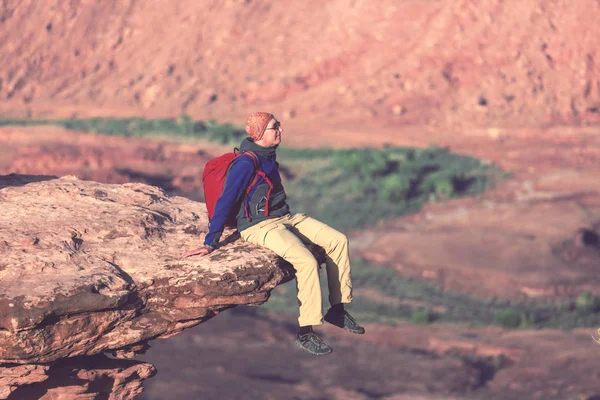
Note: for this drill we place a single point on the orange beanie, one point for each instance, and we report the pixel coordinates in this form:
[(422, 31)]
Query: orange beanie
[(257, 123)]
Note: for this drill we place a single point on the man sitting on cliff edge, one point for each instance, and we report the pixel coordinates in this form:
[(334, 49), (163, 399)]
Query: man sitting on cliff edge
[(284, 233)]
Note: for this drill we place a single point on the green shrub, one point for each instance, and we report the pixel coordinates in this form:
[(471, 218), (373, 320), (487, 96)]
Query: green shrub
[(224, 133), (369, 163), (586, 303), (186, 124), (443, 188), (507, 318), (421, 317), (394, 188), (528, 319), (375, 163), (348, 160), (360, 187)]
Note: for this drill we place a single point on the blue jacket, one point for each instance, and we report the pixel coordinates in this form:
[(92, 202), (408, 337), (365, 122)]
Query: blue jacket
[(232, 199)]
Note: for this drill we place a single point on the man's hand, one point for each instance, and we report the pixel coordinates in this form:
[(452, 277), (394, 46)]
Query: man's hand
[(204, 250)]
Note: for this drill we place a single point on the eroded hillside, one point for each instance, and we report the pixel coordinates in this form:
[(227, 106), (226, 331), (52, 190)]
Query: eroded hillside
[(467, 62)]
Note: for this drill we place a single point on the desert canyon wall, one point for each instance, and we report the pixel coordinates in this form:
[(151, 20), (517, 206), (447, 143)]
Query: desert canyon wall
[(452, 63)]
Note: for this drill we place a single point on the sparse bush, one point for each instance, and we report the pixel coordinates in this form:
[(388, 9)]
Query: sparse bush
[(528, 319), (394, 188), (348, 160), (182, 126), (443, 188), (566, 306), (369, 163), (586, 303), (224, 133), (421, 317), (375, 163), (186, 124), (508, 318)]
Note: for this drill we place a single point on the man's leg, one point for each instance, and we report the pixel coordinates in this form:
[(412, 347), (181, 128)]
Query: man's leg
[(335, 243), (339, 279), (277, 237)]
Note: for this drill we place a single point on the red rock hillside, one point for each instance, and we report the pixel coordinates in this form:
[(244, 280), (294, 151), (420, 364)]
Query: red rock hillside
[(464, 62)]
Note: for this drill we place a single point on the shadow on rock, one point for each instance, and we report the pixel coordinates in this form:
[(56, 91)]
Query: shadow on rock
[(22, 180)]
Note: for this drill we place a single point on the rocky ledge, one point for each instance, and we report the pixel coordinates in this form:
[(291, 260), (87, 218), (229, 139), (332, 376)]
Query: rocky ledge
[(87, 268)]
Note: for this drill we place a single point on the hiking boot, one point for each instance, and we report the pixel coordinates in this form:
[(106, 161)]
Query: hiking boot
[(313, 344), (345, 321)]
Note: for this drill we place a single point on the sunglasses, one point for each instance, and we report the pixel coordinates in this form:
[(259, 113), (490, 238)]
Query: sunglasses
[(276, 127)]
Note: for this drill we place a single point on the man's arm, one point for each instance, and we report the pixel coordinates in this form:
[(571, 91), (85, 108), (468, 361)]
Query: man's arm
[(238, 179)]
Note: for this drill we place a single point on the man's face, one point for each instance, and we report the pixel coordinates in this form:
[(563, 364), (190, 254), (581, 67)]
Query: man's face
[(272, 135)]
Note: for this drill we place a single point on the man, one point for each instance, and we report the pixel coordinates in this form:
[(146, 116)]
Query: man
[(285, 233)]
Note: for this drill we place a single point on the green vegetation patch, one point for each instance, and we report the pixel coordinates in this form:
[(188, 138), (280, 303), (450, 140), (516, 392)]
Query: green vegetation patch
[(354, 188), (182, 127)]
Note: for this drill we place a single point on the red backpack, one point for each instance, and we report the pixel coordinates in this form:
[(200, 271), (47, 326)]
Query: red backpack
[(214, 176)]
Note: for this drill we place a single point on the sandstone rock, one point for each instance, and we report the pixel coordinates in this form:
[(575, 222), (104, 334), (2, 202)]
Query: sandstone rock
[(89, 267), (80, 378), (11, 377)]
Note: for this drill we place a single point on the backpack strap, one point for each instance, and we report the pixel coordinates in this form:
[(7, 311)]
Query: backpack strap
[(269, 192), (257, 172), (264, 176), (252, 182), (254, 157)]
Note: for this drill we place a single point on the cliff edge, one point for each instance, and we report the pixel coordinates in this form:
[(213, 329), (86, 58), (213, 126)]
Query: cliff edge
[(87, 268)]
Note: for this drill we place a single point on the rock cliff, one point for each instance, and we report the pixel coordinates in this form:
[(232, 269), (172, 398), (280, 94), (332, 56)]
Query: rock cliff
[(88, 268)]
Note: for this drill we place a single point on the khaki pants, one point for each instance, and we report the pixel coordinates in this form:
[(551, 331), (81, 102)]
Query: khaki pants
[(286, 236)]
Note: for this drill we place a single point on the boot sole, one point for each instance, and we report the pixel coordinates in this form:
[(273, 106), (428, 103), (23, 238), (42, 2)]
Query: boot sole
[(354, 331), (346, 329), (299, 345)]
